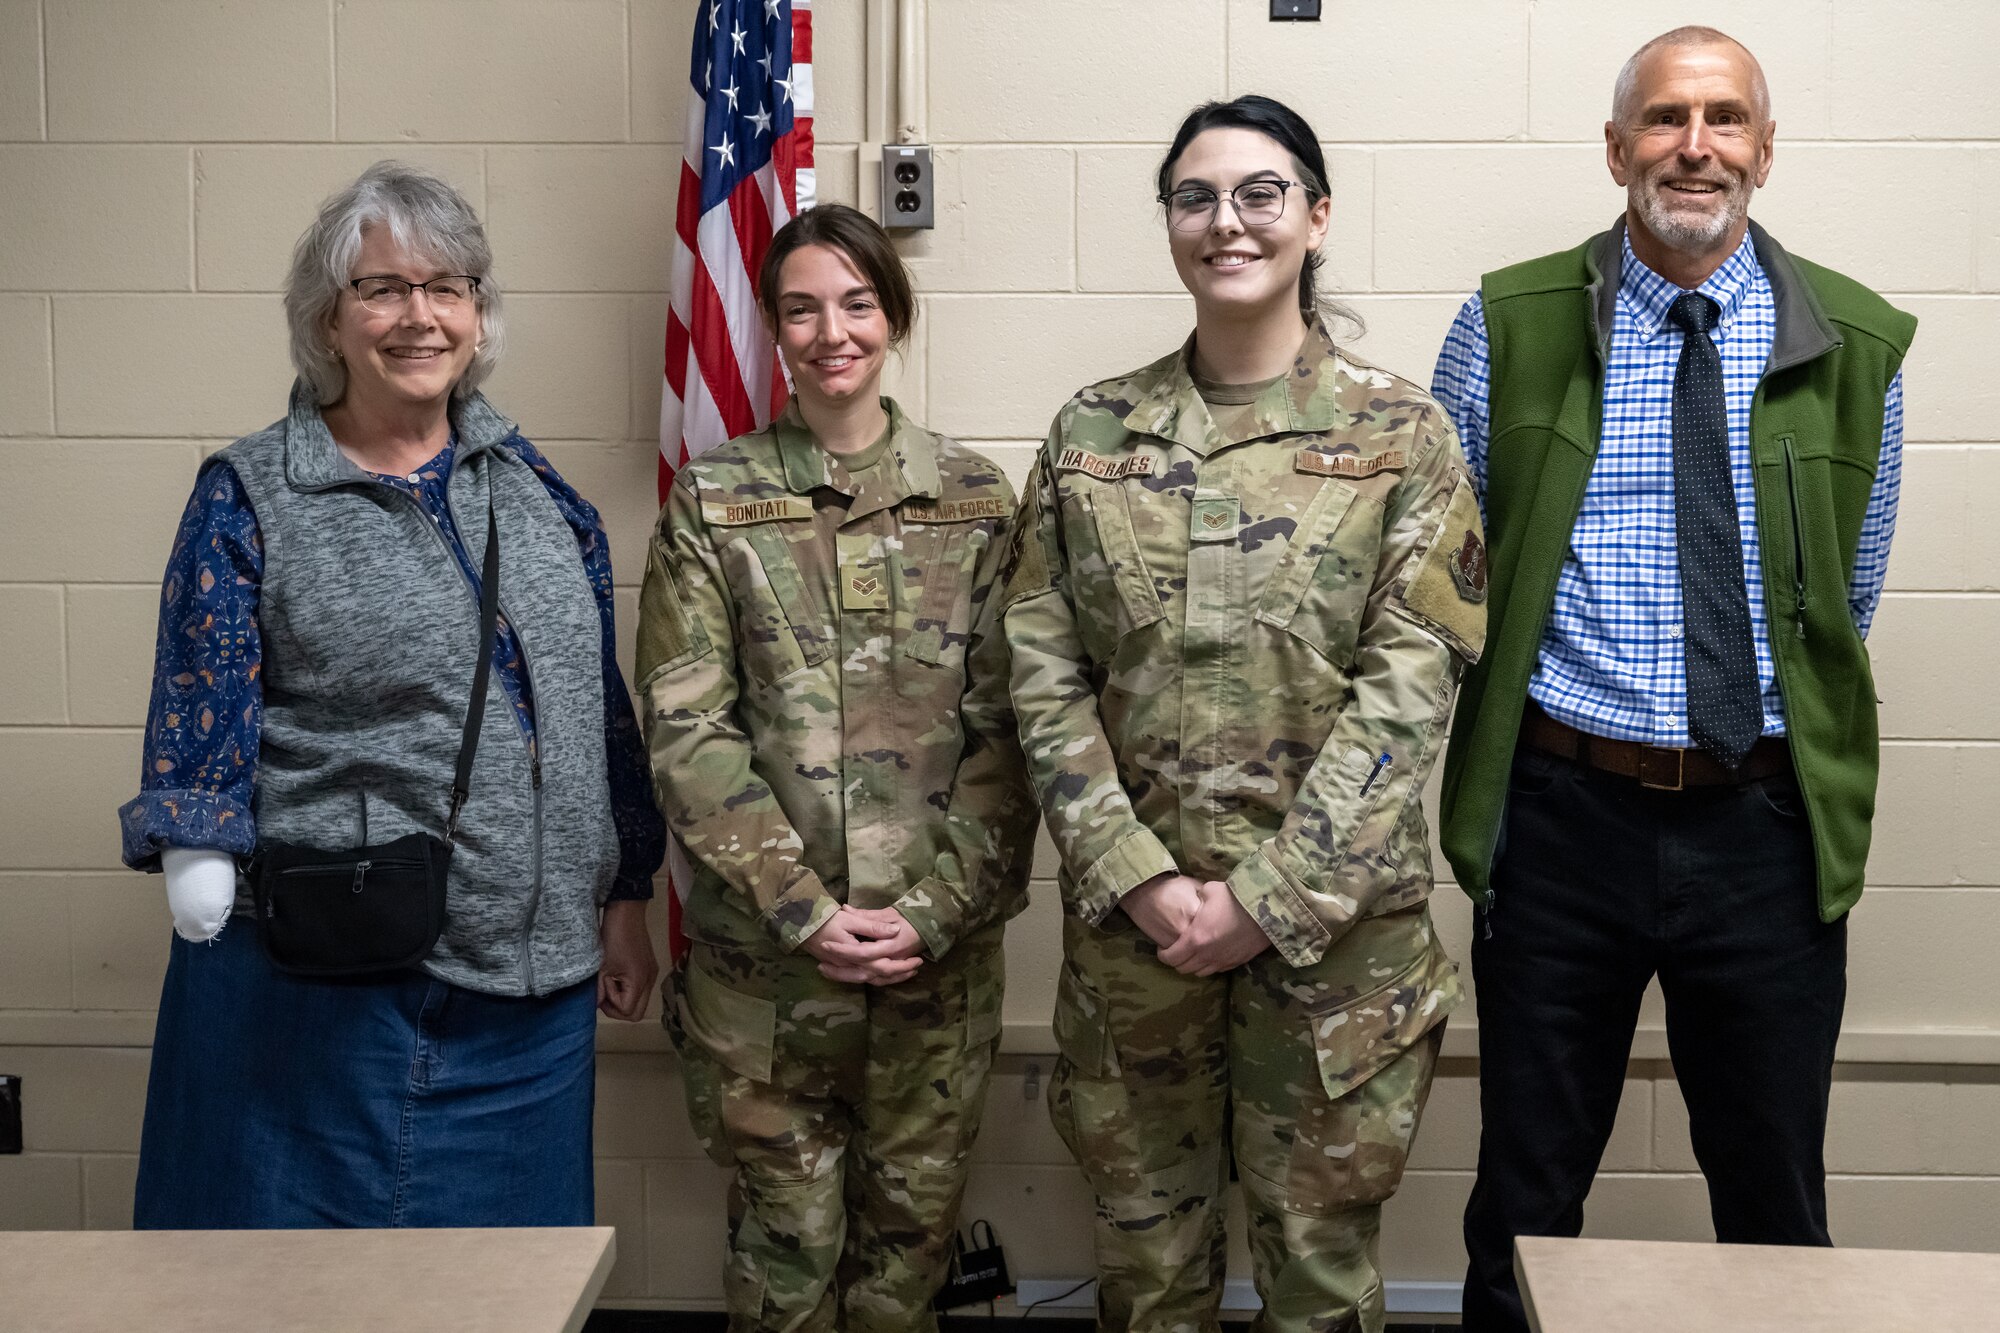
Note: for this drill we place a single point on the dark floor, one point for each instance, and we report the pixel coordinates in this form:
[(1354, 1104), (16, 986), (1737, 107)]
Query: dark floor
[(649, 1321)]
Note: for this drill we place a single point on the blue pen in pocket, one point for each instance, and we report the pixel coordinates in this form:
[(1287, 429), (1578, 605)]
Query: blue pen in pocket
[(1376, 772)]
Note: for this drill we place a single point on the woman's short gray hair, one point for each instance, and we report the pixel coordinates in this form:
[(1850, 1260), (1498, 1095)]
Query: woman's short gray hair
[(425, 215)]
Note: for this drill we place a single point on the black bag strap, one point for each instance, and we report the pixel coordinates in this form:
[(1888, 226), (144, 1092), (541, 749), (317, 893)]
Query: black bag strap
[(475, 712)]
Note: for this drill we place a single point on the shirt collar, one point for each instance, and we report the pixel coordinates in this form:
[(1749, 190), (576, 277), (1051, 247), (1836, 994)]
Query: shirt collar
[(1651, 295)]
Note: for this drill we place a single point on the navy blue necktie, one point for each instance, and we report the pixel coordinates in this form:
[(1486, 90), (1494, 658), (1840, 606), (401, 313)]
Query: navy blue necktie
[(1725, 709)]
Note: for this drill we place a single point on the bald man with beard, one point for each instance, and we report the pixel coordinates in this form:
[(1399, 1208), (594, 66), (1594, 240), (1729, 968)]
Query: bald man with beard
[(1688, 445)]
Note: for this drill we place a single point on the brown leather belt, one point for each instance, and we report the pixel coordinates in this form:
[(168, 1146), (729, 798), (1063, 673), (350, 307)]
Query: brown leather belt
[(1655, 766)]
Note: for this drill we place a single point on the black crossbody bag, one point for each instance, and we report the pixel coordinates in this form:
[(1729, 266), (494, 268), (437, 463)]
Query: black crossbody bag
[(364, 910)]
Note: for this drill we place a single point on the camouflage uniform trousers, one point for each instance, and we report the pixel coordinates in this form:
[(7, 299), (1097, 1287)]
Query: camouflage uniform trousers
[(849, 1113), (1312, 1077)]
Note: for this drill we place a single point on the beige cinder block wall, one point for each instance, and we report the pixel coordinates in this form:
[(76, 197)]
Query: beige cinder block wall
[(157, 158)]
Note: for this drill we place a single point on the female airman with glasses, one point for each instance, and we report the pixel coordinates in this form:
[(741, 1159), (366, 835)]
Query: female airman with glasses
[(1246, 580)]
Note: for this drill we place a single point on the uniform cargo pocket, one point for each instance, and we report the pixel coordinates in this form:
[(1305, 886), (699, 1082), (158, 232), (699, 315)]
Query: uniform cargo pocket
[(701, 1083), (736, 1029), (743, 1272), (1376, 1057), (984, 991), (1354, 1040), (1083, 1026)]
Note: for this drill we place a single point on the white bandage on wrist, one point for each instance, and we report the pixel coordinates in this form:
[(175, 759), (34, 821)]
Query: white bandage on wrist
[(201, 888)]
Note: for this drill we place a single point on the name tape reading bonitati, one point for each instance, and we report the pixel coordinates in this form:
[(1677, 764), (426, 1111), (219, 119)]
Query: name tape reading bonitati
[(727, 515), (955, 511), (1350, 466), (1106, 469)]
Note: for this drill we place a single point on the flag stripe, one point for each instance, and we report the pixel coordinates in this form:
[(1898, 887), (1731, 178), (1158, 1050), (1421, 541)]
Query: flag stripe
[(747, 153)]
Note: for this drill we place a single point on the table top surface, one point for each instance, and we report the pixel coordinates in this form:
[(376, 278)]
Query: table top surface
[(502, 1280), (1588, 1286)]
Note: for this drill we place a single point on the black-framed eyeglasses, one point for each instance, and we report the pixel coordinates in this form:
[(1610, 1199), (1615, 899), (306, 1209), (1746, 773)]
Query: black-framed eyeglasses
[(384, 293), (1258, 203)]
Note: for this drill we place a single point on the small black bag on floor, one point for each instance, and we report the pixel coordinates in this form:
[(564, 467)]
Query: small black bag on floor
[(363, 910), (977, 1273)]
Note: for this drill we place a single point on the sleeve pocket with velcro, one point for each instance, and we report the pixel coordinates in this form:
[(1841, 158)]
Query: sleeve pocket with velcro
[(669, 635), (1447, 592)]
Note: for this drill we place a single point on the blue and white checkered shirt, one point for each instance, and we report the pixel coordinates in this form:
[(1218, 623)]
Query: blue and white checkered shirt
[(1612, 660)]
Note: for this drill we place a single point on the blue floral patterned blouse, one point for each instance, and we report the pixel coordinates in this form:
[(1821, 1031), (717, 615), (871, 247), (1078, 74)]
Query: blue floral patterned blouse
[(202, 729)]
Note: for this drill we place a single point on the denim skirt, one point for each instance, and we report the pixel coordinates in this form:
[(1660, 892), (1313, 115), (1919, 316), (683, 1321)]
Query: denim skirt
[(277, 1101)]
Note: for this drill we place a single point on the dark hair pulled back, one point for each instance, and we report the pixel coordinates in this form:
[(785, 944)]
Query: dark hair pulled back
[(863, 241), (1289, 130)]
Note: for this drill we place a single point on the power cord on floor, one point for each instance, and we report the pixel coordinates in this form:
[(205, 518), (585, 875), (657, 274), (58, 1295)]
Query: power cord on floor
[(1059, 1296)]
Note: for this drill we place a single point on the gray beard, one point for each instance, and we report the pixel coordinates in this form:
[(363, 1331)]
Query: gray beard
[(1685, 231)]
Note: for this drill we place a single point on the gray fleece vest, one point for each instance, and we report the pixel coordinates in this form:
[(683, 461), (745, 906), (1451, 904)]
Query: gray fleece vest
[(370, 636)]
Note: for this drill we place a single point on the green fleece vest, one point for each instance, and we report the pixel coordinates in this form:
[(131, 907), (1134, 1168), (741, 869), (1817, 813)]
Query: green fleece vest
[(1815, 438)]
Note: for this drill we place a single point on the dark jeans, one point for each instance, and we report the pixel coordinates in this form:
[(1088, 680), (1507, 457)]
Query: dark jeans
[(1600, 885)]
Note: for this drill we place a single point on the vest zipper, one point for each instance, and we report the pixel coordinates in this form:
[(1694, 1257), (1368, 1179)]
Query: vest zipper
[(533, 746), (535, 892), (1798, 537)]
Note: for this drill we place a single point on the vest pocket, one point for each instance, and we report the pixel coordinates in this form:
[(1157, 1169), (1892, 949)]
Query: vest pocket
[(779, 627), (1320, 586)]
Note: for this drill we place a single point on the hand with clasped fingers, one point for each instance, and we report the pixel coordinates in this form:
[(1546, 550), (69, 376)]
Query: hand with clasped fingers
[(867, 947), (1198, 925)]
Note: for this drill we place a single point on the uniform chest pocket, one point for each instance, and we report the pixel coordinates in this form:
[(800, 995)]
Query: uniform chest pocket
[(1111, 582), (780, 628), (946, 557), (1319, 589)]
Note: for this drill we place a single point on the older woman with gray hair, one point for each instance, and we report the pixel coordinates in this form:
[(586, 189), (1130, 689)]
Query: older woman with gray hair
[(320, 682)]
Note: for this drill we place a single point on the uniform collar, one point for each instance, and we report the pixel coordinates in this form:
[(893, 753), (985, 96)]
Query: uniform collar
[(313, 462), (807, 466), (1171, 407)]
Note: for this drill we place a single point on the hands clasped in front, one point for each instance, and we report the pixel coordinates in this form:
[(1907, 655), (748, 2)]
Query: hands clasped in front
[(867, 946), (1199, 926)]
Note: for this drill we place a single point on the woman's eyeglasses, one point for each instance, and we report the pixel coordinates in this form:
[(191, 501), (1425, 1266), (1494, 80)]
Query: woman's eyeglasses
[(1258, 203)]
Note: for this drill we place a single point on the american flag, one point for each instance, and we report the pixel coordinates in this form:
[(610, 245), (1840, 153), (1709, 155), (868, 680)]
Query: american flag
[(746, 170)]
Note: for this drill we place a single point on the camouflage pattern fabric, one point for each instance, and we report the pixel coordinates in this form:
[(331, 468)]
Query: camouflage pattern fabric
[(849, 1113), (824, 694), (824, 688), (1314, 1077), (1234, 655)]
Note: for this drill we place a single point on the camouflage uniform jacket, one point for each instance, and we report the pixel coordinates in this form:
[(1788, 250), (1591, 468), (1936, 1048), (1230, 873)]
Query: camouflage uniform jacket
[(824, 688), (1236, 656)]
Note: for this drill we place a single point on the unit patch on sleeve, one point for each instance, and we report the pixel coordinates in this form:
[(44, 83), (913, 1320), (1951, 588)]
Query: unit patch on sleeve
[(1106, 469), (1448, 592)]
